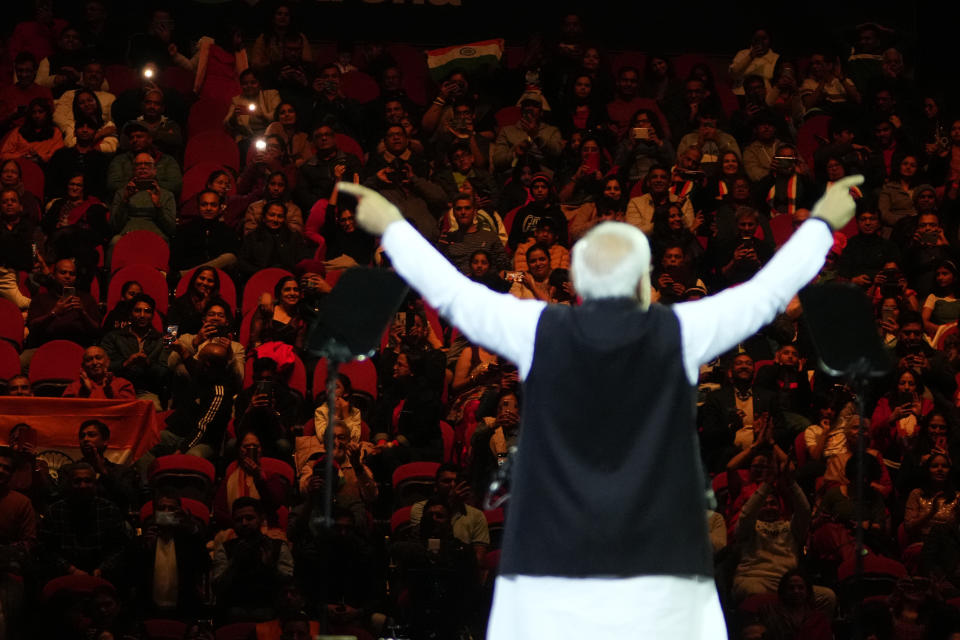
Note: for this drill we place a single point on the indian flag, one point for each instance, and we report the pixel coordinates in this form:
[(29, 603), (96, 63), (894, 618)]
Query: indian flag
[(469, 57)]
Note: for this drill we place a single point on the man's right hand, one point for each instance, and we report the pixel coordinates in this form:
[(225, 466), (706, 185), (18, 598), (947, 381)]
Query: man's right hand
[(374, 212), (837, 206)]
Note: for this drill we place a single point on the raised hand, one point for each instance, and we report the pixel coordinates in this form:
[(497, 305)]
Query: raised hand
[(837, 206), (374, 212)]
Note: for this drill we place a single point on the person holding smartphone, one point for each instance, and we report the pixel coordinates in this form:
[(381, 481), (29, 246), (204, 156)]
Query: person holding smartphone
[(142, 204), (529, 136), (62, 312)]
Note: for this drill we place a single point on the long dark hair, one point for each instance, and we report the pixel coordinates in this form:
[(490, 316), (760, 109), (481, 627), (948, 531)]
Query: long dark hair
[(32, 133), (192, 287), (78, 115)]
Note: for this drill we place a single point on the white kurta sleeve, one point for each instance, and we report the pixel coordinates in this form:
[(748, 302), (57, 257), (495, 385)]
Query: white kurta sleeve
[(498, 322), (717, 323)]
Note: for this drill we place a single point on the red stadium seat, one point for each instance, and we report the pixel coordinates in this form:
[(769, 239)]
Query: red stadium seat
[(262, 281), (400, 526), (182, 464), (228, 290), (153, 282), (56, 363), (195, 179), (244, 336), (358, 86), (141, 247), (448, 435), (348, 145), (178, 79), (413, 64), (207, 114), (121, 78), (362, 374), (79, 584), (32, 177), (298, 377), (413, 481), (11, 323), (190, 476), (212, 146), (507, 116), (811, 133), (194, 507), (236, 631), (162, 629), (9, 362)]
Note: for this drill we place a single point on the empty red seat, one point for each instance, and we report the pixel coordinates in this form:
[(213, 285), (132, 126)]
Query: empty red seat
[(362, 374), (348, 145), (413, 481), (207, 114), (212, 146), (359, 86), (57, 363), (11, 323), (141, 247), (9, 361)]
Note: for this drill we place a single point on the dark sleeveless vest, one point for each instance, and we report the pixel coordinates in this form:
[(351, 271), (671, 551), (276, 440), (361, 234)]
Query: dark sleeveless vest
[(607, 480)]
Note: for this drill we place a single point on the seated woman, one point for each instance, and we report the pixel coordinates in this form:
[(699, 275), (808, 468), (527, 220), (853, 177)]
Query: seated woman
[(267, 49), (937, 435), (277, 188), (895, 201), (826, 88), (895, 422), (244, 122), (278, 317), (475, 372), (934, 502), (942, 307), (265, 162), (86, 106), (37, 139), (10, 178), (119, 316), (730, 169), (584, 183), (535, 283), (481, 272), (287, 127), (187, 310), (232, 206), (205, 241), (249, 478), (581, 111), (674, 276), (272, 244), (75, 226), (643, 147), (344, 412), (669, 229)]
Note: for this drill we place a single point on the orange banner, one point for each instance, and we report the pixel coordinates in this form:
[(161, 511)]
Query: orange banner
[(133, 423)]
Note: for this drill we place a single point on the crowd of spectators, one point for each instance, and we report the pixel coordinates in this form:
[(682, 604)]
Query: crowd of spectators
[(226, 150)]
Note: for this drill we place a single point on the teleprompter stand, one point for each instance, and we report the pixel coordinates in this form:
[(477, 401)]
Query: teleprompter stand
[(348, 325), (844, 332)]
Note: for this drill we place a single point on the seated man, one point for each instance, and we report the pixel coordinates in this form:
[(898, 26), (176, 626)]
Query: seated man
[(97, 381), (169, 561), (731, 416), (18, 535), (82, 534), (202, 408), (656, 194), (215, 329), (61, 312), (269, 407), (329, 103), (165, 133), (205, 241), (546, 234), (143, 203), (458, 246), (121, 169), (739, 259), (137, 352), (530, 136), (711, 141), (463, 167), (469, 524), (867, 251), (397, 154), (247, 569), (316, 176), (786, 378), (115, 482)]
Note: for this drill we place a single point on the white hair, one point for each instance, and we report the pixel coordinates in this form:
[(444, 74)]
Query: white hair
[(612, 261)]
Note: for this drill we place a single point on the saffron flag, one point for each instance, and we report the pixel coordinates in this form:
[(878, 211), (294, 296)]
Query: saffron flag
[(132, 423), (468, 57)]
